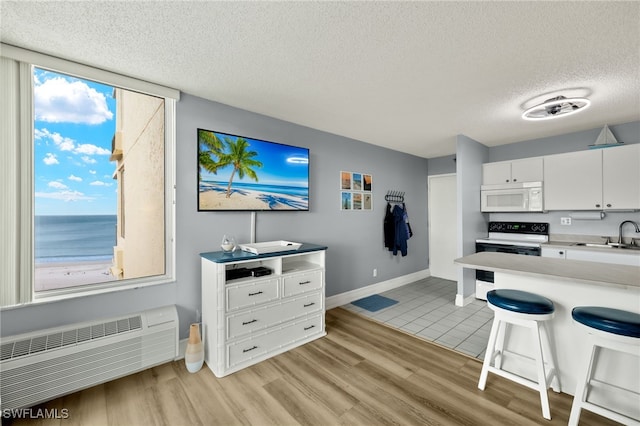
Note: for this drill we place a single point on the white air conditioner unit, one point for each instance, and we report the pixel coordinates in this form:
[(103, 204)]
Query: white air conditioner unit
[(39, 366)]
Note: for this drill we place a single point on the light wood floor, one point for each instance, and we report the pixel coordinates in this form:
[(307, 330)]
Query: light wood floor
[(361, 373)]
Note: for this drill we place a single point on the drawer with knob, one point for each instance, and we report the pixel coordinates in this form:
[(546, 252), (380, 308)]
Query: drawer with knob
[(302, 283), (558, 253), (251, 294), (260, 344), (259, 318)]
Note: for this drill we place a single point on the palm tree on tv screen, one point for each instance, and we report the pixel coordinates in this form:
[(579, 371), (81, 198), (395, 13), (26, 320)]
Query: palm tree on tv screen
[(240, 158), (210, 145)]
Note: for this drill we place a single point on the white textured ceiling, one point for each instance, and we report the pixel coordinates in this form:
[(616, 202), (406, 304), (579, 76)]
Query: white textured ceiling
[(405, 75)]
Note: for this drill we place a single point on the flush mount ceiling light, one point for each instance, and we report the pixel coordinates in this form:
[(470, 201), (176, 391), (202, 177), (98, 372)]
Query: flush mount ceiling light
[(556, 107)]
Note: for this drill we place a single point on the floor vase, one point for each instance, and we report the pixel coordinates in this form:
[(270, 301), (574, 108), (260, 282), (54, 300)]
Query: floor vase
[(194, 355)]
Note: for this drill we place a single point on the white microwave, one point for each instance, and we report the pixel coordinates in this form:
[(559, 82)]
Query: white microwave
[(511, 197)]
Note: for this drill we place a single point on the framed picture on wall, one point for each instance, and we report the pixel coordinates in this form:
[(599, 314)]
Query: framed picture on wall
[(345, 200), (356, 191), (367, 201), (345, 180), (356, 183), (357, 201), (367, 182)]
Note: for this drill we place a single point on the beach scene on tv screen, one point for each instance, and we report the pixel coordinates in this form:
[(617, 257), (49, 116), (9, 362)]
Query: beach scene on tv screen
[(240, 173)]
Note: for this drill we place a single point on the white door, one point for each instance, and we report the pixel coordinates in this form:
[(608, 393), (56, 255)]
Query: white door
[(442, 226)]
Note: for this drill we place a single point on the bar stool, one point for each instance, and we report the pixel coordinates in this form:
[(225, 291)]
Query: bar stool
[(527, 310), (609, 328)]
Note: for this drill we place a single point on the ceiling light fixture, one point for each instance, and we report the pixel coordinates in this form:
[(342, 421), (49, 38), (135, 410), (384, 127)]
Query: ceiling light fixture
[(556, 107)]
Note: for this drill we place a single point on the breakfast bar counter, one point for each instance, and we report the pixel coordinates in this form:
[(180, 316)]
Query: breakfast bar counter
[(588, 273), (571, 283)]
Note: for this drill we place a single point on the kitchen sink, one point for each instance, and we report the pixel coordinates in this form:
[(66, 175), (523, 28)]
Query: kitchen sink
[(609, 245)]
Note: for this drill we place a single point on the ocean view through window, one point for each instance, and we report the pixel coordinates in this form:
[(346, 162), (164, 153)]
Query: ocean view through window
[(73, 250), (84, 134), (69, 130)]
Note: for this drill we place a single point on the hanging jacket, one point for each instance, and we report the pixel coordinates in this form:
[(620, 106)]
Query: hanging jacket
[(389, 228), (406, 220), (401, 231)]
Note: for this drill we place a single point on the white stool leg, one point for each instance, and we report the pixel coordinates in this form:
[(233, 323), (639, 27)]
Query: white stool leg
[(502, 332), (542, 377), (488, 355), (584, 377), (551, 358)]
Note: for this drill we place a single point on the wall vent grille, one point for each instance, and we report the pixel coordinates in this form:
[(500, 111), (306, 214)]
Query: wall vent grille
[(46, 364), (60, 339)]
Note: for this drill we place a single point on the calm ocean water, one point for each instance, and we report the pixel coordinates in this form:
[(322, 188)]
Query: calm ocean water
[(74, 238), (277, 189)]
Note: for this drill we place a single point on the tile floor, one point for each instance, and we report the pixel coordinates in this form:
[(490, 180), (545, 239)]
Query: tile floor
[(426, 309)]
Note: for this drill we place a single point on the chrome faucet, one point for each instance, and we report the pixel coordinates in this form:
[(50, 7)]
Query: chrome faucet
[(620, 230)]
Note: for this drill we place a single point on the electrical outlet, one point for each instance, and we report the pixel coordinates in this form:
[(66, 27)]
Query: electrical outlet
[(375, 272), (565, 221)]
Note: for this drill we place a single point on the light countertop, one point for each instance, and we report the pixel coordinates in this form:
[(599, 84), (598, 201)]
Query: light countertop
[(575, 246), (596, 273)]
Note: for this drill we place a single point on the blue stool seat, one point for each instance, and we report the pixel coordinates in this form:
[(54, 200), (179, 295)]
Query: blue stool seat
[(520, 301), (616, 321), (611, 329)]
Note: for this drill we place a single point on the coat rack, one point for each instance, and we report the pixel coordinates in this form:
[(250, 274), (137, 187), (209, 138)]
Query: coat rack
[(395, 196)]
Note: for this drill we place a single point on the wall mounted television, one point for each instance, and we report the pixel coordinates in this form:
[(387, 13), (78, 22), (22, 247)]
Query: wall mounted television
[(240, 173)]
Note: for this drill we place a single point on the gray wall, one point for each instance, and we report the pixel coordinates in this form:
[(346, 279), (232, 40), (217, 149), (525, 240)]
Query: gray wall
[(442, 165), (354, 239), (472, 224), (578, 141)]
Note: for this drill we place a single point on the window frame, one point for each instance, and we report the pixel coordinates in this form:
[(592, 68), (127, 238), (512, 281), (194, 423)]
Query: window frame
[(73, 69)]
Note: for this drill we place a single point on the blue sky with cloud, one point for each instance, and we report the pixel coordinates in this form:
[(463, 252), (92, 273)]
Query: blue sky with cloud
[(73, 128), (282, 164)]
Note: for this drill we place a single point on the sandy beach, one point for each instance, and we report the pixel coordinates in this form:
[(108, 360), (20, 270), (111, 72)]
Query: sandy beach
[(49, 276), (243, 199)]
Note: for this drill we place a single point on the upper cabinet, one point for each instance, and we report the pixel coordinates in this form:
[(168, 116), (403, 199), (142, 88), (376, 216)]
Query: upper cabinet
[(599, 179), (621, 177), (525, 170), (573, 181)]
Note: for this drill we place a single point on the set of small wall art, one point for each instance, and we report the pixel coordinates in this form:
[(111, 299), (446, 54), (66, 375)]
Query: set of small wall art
[(355, 191)]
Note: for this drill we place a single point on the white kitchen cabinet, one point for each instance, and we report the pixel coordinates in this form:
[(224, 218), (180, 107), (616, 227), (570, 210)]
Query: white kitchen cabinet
[(573, 181), (607, 255), (621, 177), (557, 253), (496, 173), (515, 171), (598, 179), (249, 319), (603, 255)]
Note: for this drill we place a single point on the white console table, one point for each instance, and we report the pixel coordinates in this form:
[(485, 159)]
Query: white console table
[(249, 319)]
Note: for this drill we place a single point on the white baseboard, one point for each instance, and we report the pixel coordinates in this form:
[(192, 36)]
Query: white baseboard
[(464, 301), (349, 296)]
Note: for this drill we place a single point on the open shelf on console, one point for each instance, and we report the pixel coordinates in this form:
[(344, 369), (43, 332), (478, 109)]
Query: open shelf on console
[(251, 270)]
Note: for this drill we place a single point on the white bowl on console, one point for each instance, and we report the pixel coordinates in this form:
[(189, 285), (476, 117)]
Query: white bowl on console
[(270, 247)]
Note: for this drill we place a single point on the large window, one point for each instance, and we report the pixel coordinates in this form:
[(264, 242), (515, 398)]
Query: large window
[(76, 130)]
